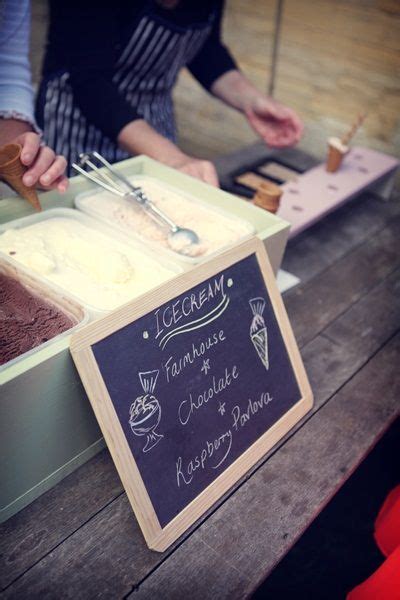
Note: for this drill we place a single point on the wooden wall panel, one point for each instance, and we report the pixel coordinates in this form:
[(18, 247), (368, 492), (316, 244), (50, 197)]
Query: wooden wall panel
[(337, 58)]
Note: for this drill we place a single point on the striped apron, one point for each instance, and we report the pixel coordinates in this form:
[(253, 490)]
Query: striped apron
[(145, 74)]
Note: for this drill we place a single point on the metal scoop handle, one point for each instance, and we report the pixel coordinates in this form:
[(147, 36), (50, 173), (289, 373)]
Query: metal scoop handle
[(180, 239), (109, 184)]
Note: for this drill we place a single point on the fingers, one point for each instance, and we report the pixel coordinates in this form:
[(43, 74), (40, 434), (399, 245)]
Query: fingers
[(55, 172), (44, 159), (274, 132), (30, 143), (46, 170), (201, 169), (274, 109), (268, 110), (61, 184), (297, 123), (209, 174)]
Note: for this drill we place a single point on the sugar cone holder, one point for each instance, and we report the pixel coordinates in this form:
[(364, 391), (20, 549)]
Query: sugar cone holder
[(268, 196), (337, 153), (12, 171)]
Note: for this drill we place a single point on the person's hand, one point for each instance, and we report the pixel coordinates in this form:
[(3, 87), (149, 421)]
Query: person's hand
[(196, 167), (276, 124), (45, 168), (138, 137)]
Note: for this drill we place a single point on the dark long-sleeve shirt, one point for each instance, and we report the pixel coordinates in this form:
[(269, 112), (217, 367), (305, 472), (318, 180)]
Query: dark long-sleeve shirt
[(86, 39)]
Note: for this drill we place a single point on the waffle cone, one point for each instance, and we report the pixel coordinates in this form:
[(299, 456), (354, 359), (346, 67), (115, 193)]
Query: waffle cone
[(268, 196), (334, 160), (12, 171)]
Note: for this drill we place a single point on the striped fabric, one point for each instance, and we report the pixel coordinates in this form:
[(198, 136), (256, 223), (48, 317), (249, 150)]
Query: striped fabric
[(145, 74), (16, 93)]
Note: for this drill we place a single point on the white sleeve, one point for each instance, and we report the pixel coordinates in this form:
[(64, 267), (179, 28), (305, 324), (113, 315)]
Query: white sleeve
[(16, 93)]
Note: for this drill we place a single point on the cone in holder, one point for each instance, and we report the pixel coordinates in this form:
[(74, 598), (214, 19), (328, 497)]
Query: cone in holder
[(12, 171), (268, 196), (336, 152)]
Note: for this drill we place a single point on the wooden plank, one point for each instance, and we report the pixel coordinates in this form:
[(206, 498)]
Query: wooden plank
[(37, 516), (342, 284), (114, 527), (318, 248), (41, 526), (328, 81), (259, 523), (333, 357)]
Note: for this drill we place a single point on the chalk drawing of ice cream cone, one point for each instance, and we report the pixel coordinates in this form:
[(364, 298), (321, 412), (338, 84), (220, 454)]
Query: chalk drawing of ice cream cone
[(145, 411), (258, 330)]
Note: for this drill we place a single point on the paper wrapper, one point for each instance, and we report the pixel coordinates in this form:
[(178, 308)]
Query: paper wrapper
[(268, 196), (12, 171)]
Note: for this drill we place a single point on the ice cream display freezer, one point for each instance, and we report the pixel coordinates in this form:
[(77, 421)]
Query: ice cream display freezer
[(47, 427)]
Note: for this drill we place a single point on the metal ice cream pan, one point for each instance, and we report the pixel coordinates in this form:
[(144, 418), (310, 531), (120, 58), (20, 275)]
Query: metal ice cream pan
[(53, 296), (112, 235), (35, 438), (47, 426), (192, 201)]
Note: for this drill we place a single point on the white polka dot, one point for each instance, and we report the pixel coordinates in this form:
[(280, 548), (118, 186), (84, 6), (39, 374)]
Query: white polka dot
[(230, 282)]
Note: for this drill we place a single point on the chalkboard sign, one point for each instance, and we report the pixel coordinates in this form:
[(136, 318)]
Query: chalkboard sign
[(192, 384)]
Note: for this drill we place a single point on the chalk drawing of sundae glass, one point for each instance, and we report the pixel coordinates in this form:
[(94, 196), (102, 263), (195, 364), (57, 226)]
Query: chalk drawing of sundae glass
[(145, 411)]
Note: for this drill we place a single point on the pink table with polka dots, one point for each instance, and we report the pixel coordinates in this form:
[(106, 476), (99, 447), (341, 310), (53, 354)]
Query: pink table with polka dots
[(316, 193)]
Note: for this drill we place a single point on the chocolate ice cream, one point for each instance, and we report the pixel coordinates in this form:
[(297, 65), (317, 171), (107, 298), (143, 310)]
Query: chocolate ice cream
[(26, 321)]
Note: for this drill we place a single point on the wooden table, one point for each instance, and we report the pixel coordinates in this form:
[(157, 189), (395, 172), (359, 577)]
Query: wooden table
[(81, 540)]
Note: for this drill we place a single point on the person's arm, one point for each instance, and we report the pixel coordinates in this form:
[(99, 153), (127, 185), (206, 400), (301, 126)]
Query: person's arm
[(91, 53), (138, 137), (87, 35), (17, 122), (278, 125), (216, 70), (214, 59)]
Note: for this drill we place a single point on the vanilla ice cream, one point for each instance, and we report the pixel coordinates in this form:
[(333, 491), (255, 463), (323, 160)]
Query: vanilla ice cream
[(99, 271), (335, 142), (214, 229)]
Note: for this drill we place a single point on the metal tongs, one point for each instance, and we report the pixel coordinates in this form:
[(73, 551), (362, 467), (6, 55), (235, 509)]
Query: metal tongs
[(180, 239)]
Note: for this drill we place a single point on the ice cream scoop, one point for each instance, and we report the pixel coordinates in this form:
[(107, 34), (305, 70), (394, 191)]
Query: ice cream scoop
[(181, 239), (12, 171)]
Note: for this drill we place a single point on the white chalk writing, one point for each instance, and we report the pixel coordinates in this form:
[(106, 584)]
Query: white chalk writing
[(218, 449), (218, 384), (241, 417), (175, 366), (186, 306)]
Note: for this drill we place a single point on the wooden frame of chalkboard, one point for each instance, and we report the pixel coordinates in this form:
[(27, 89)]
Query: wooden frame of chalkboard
[(220, 329)]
